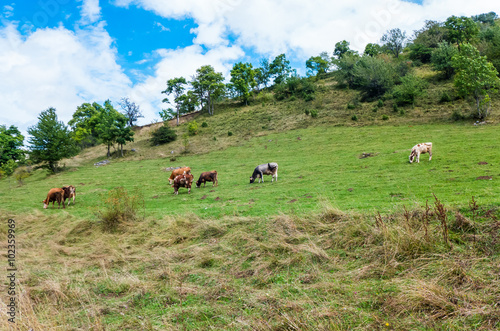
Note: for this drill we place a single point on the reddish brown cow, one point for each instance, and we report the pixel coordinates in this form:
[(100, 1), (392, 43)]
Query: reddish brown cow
[(209, 176), (55, 194), (183, 181), (177, 172), (69, 192)]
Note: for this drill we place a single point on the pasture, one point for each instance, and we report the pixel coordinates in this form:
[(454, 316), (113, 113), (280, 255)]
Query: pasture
[(316, 165), (309, 252)]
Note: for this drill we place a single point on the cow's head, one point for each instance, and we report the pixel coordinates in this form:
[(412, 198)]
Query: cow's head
[(412, 156), (252, 180), (45, 204)]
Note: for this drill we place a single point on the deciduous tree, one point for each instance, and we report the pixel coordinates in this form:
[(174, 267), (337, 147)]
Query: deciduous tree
[(131, 110), (208, 86), (175, 87), (394, 40), (476, 78)]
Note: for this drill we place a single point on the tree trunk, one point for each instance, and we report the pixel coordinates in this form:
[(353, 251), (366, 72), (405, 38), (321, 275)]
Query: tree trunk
[(178, 109), (121, 149), (109, 153)]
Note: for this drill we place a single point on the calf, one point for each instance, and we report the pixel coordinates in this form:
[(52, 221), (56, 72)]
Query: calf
[(420, 149), (209, 176), (183, 181), (55, 194), (265, 169), (69, 192), (177, 172)]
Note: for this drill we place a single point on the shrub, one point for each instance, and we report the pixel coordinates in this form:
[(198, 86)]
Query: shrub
[(9, 167), (411, 87), (375, 109), (118, 208), (306, 112), (229, 133), (192, 128), (21, 174), (445, 97), (385, 117), (457, 116), (375, 76), (354, 118), (351, 106), (163, 135), (314, 113), (380, 103), (204, 125), (395, 107), (441, 59)]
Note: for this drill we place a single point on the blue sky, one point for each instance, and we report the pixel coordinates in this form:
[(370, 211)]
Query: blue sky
[(62, 53)]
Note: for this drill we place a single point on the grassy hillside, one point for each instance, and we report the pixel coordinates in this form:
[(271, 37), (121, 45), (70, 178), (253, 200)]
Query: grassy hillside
[(341, 241)]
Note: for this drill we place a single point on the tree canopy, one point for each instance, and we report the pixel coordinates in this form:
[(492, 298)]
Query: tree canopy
[(50, 141)]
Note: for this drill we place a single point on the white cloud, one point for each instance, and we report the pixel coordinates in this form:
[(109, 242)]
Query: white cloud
[(90, 11), (56, 68), (8, 10)]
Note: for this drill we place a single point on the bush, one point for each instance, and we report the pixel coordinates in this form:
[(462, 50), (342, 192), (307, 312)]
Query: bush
[(192, 128), (441, 59), (375, 76), (21, 174), (351, 106), (229, 133), (306, 112), (314, 113), (354, 117), (204, 125), (118, 208), (411, 87), (457, 116), (9, 167), (445, 97), (163, 135), (385, 117), (380, 103)]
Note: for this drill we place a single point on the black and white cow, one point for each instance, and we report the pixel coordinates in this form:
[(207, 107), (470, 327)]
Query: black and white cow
[(265, 169)]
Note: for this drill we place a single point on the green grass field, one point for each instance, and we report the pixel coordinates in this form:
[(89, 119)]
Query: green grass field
[(315, 165)]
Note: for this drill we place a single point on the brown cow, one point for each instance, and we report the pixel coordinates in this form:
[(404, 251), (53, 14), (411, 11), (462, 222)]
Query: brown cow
[(183, 181), (177, 172), (209, 176), (55, 194), (69, 192)]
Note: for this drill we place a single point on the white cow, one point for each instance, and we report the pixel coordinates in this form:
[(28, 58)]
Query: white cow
[(420, 149)]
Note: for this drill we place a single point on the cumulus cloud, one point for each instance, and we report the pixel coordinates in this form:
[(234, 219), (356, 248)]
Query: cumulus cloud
[(56, 68), (90, 11)]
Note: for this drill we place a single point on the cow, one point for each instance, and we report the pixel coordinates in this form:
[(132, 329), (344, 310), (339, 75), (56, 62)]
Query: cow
[(69, 192), (55, 194), (209, 176), (184, 180), (265, 169), (420, 149), (177, 172)]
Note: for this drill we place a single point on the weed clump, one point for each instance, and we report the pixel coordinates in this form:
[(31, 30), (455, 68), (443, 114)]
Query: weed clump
[(119, 208)]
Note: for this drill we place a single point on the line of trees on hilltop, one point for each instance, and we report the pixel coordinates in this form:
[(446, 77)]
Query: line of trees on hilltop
[(52, 140), (466, 49)]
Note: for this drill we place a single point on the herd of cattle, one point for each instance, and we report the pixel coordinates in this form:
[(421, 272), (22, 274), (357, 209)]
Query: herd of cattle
[(182, 177)]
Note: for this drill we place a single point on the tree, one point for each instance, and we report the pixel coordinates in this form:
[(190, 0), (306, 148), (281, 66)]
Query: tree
[(460, 30), (208, 86), (111, 126), (318, 65), (372, 49), (430, 35), (441, 59), (188, 102), (176, 88), (373, 76), (475, 77), (344, 74), (84, 122), (11, 141), (124, 133), (280, 69), (130, 110), (50, 141), (410, 88), (342, 48), (395, 41), (263, 73), (243, 80), (163, 135)]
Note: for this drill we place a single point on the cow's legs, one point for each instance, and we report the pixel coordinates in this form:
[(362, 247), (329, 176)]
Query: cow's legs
[(430, 155)]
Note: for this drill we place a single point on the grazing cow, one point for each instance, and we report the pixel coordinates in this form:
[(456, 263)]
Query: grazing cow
[(420, 149), (184, 180), (177, 172), (209, 176), (69, 192), (55, 194), (265, 169)]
